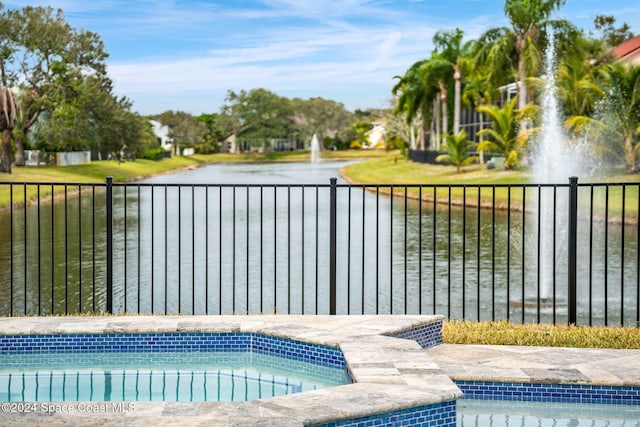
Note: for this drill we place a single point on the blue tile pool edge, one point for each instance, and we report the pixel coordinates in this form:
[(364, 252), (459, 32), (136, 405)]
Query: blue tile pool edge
[(441, 414), (116, 342), (543, 392), (427, 335)]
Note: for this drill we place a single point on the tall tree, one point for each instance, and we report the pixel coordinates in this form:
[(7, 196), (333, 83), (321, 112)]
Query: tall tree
[(261, 115), (8, 104), (8, 113), (611, 35), (45, 54), (212, 134), (455, 59), (322, 117), (515, 51), (415, 98), (423, 91), (185, 129), (88, 116)]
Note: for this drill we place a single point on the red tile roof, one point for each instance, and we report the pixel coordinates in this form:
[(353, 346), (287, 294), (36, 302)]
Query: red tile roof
[(627, 47)]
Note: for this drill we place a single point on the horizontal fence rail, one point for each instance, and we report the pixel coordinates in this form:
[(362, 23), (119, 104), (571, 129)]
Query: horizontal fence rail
[(530, 253)]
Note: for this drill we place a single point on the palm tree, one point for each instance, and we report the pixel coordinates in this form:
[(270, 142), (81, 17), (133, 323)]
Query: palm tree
[(455, 57), (457, 149), (423, 90), (8, 113), (503, 136), (617, 129), (577, 87), (505, 52), (414, 97)]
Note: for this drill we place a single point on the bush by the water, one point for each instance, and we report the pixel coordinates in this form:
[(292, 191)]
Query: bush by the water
[(154, 154)]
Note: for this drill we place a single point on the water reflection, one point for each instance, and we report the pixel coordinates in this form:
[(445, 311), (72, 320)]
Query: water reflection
[(228, 241)]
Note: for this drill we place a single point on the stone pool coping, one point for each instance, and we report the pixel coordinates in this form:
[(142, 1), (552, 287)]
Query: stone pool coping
[(546, 365), (391, 373)]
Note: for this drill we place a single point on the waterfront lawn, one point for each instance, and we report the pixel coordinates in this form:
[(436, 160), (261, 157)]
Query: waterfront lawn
[(505, 333), (395, 170), (96, 172)]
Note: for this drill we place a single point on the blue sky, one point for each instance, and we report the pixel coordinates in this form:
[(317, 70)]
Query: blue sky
[(186, 55)]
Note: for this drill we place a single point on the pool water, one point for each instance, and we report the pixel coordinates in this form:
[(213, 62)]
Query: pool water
[(502, 413), (159, 376)]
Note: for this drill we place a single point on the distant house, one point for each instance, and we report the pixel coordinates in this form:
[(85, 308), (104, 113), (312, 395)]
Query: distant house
[(628, 51), (229, 144), (161, 133), (375, 136), (235, 143)]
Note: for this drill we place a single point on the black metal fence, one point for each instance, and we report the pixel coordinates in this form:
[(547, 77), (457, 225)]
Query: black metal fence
[(527, 253)]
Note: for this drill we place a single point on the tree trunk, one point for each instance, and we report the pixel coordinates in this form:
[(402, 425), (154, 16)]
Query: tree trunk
[(445, 115), (8, 110), (522, 88), (481, 118), (436, 119), (457, 75), (20, 139), (5, 154), (630, 156), (19, 156), (412, 139)]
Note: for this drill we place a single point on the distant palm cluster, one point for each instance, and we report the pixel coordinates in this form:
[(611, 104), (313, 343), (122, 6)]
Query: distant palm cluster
[(495, 108)]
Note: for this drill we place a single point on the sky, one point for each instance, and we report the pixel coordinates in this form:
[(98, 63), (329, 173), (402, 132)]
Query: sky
[(186, 55)]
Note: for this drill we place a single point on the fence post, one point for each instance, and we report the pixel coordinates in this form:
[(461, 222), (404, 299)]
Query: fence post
[(109, 227), (573, 235), (332, 246)]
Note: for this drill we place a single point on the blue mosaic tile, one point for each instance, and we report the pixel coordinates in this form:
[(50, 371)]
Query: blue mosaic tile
[(179, 341), (429, 335), (437, 415), (540, 392)]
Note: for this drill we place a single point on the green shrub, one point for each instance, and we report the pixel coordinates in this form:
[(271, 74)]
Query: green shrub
[(153, 154)]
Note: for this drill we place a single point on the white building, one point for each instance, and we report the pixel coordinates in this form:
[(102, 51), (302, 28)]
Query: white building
[(161, 132), (375, 136)]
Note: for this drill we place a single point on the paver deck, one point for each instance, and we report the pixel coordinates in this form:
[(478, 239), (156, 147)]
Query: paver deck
[(391, 374), (538, 364), (390, 371)]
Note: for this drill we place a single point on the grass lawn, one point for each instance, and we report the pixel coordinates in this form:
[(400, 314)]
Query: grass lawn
[(505, 333), (380, 168), (96, 172), (393, 169)]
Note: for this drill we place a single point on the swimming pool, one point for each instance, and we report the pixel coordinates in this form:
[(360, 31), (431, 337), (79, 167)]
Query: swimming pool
[(190, 367), (153, 376), (507, 413), (393, 378), (511, 404)]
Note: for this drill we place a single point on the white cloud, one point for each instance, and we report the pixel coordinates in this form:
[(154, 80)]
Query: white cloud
[(176, 54)]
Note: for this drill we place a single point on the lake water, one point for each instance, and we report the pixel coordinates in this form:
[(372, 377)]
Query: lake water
[(210, 247)]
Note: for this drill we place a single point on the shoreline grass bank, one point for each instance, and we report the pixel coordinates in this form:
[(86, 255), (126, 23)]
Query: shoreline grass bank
[(129, 171), (544, 335), (464, 188)]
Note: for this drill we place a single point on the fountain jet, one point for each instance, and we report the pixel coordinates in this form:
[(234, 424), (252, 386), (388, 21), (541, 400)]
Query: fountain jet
[(554, 161), (315, 149)]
